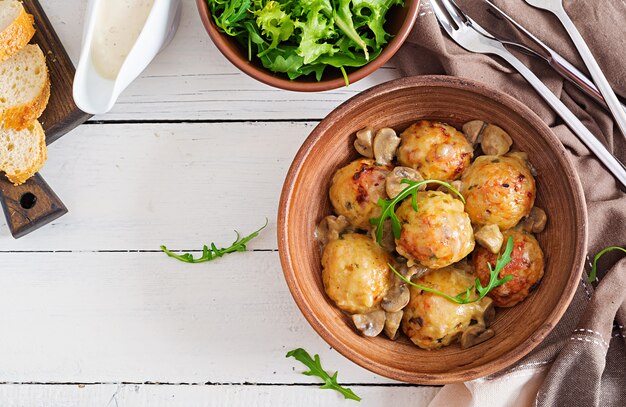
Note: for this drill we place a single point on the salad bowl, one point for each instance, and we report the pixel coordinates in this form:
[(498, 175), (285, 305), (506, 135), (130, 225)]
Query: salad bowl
[(397, 104), (399, 22)]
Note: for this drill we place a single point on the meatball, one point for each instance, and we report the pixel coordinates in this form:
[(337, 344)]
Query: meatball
[(432, 321), (438, 234), (355, 273), (498, 190), (436, 150), (355, 191), (526, 267)]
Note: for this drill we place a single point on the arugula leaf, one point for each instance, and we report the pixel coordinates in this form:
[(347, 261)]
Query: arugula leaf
[(388, 206), (594, 268), (465, 296), (315, 369), (212, 252)]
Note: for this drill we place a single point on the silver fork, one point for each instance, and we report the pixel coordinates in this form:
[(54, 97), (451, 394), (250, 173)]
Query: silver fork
[(556, 61), (478, 40), (556, 7)]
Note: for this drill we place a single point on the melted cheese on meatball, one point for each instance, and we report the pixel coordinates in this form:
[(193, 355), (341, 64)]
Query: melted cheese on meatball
[(498, 190), (438, 234), (526, 267), (432, 321), (355, 273), (436, 150), (356, 189)]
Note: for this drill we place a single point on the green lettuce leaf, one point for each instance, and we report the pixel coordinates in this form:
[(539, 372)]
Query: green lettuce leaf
[(274, 23), (315, 30)]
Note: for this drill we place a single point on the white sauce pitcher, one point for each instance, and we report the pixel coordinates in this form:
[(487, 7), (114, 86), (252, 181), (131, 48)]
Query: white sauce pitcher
[(103, 73)]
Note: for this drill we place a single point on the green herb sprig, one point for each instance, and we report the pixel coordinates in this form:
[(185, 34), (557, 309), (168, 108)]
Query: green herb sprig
[(594, 268), (465, 297), (212, 252), (389, 205), (316, 369)]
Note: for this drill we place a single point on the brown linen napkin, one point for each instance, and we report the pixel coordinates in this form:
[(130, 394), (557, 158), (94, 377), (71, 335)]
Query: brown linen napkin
[(586, 349)]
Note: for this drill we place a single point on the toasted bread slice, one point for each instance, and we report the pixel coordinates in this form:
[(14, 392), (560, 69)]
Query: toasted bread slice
[(23, 152), (16, 28), (24, 88)]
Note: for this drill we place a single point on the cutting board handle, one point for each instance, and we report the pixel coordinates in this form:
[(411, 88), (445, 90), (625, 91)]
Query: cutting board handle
[(29, 206)]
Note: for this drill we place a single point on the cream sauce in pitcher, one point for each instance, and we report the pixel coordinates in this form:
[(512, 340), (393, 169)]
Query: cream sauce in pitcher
[(117, 28)]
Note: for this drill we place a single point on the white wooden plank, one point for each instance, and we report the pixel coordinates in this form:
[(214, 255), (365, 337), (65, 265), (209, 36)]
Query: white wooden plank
[(131, 187), (131, 395), (137, 317), (192, 80)]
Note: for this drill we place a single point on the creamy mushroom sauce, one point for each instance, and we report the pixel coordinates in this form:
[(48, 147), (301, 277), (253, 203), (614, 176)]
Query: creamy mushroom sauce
[(118, 25), (437, 245)]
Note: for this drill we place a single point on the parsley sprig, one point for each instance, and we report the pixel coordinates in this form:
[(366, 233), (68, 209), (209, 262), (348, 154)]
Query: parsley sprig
[(594, 268), (316, 369), (389, 205), (212, 252), (465, 297)]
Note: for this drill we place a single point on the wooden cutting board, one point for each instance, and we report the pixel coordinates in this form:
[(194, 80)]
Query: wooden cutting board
[(33, 204)]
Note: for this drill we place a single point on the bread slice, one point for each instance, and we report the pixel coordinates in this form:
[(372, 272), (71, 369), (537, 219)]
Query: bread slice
[(16, 28), (24, 87), (23, 152)]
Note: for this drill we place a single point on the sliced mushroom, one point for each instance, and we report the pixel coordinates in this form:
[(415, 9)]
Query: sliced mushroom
[(393, 182), (396, 298), (389, 241), (392, 323), (536, 221), (490, 237), (455, 184), (330, 228), (473, 130), (416, 271), (495, 141), (474, 335), (385, 145), (489, 315), (370, 324), (363, 142)]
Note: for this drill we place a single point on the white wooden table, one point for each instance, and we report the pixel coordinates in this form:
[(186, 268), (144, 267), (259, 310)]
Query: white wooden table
[(94, 315)]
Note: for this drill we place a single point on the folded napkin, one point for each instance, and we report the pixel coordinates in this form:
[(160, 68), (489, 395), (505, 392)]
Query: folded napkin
[(582, 362)]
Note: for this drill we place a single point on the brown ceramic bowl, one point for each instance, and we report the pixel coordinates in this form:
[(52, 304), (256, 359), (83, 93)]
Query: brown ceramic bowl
[(400, 21), (397, 104)]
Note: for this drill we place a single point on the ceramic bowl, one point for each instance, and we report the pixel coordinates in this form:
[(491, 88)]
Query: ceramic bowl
[(400, 21), (397, 104)]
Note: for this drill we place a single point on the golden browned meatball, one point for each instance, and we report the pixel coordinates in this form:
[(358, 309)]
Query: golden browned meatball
[(355, 273), (498, 190), (355, 191), (432, 321), (438, 234), (526, 267), (436, 150)]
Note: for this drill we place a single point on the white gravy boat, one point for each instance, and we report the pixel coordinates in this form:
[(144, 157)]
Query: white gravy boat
[(95, 92)]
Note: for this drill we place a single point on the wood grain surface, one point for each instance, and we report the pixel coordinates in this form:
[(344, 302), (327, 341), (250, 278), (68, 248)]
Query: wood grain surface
[(29, 206), (61, 116), (397, 104)]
